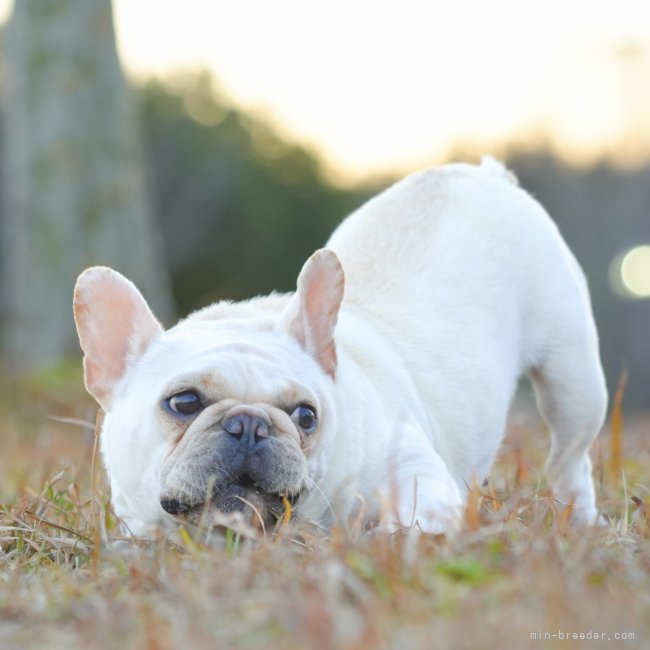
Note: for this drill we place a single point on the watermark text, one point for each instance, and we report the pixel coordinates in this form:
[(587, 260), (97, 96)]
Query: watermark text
[(571, 635)]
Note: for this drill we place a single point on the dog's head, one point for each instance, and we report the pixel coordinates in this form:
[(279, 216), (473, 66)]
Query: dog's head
[(224, 412)]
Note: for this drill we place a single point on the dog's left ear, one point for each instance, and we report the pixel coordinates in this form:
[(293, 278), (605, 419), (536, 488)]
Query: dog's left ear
[(311, 315), (115, 327)]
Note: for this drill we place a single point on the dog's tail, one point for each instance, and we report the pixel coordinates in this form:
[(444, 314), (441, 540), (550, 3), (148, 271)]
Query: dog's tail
[(497, 168)]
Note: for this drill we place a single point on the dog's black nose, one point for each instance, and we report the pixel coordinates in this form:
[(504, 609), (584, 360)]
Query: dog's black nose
[(247, 426)]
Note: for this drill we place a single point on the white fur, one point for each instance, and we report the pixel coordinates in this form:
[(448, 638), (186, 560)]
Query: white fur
[(456, 283), (465, 281)]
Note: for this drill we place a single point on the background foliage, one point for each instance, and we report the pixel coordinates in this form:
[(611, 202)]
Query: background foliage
[(240, 207)]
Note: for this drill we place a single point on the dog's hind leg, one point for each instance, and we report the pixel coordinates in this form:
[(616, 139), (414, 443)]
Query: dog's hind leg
[(572, 399)]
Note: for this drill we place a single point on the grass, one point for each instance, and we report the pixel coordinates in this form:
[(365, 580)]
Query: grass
[(516, 569)]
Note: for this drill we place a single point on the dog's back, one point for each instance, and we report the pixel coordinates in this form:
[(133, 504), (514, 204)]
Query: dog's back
[(469, 279)]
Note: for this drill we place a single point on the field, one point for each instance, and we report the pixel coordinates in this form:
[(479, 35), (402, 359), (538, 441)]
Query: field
[(517, 576)]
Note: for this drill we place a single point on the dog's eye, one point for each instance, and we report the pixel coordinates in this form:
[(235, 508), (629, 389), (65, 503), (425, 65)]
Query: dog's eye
[(186, 403), (305, 417)]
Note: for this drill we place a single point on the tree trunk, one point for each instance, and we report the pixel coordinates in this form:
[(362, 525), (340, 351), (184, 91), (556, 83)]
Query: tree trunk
[(75, 191)]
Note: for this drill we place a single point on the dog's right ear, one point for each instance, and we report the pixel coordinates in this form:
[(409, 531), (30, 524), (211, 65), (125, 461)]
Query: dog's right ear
[(115, 327)]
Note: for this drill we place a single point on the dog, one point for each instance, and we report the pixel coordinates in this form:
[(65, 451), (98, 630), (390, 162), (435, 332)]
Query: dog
[(379, 390)]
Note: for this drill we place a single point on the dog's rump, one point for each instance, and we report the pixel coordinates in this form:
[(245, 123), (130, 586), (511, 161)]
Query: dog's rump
[(473, 286)]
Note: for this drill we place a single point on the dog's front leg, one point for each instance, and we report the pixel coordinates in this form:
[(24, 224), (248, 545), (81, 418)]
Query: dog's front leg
[(420, 492)]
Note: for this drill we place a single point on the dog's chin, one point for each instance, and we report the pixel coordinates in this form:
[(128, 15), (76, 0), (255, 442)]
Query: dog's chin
[(250, 501), (259, 509)]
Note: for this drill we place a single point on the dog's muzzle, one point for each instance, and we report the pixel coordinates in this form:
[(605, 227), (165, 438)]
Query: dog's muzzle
[(249, 464)]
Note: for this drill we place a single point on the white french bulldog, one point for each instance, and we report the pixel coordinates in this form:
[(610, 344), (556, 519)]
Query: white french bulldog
[(378, 390)]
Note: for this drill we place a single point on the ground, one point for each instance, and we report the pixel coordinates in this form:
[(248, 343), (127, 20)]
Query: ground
[(517, 576)]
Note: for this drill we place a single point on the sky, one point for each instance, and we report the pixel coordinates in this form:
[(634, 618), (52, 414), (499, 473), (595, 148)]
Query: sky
[(392, 85)]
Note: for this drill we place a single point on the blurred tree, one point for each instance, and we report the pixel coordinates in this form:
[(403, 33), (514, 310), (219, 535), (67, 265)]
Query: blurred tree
[(74, 186), (240, 207)]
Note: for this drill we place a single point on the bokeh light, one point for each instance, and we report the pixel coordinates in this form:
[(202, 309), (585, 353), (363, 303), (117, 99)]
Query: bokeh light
[(630, 273)]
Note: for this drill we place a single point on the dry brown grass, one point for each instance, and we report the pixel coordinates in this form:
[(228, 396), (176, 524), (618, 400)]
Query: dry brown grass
[(516, 569)]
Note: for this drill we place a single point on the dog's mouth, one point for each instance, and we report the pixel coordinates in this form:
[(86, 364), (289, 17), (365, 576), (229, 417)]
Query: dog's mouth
[(242, 495)]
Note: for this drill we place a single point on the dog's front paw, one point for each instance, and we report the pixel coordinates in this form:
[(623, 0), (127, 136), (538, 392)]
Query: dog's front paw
[(587, 517)]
